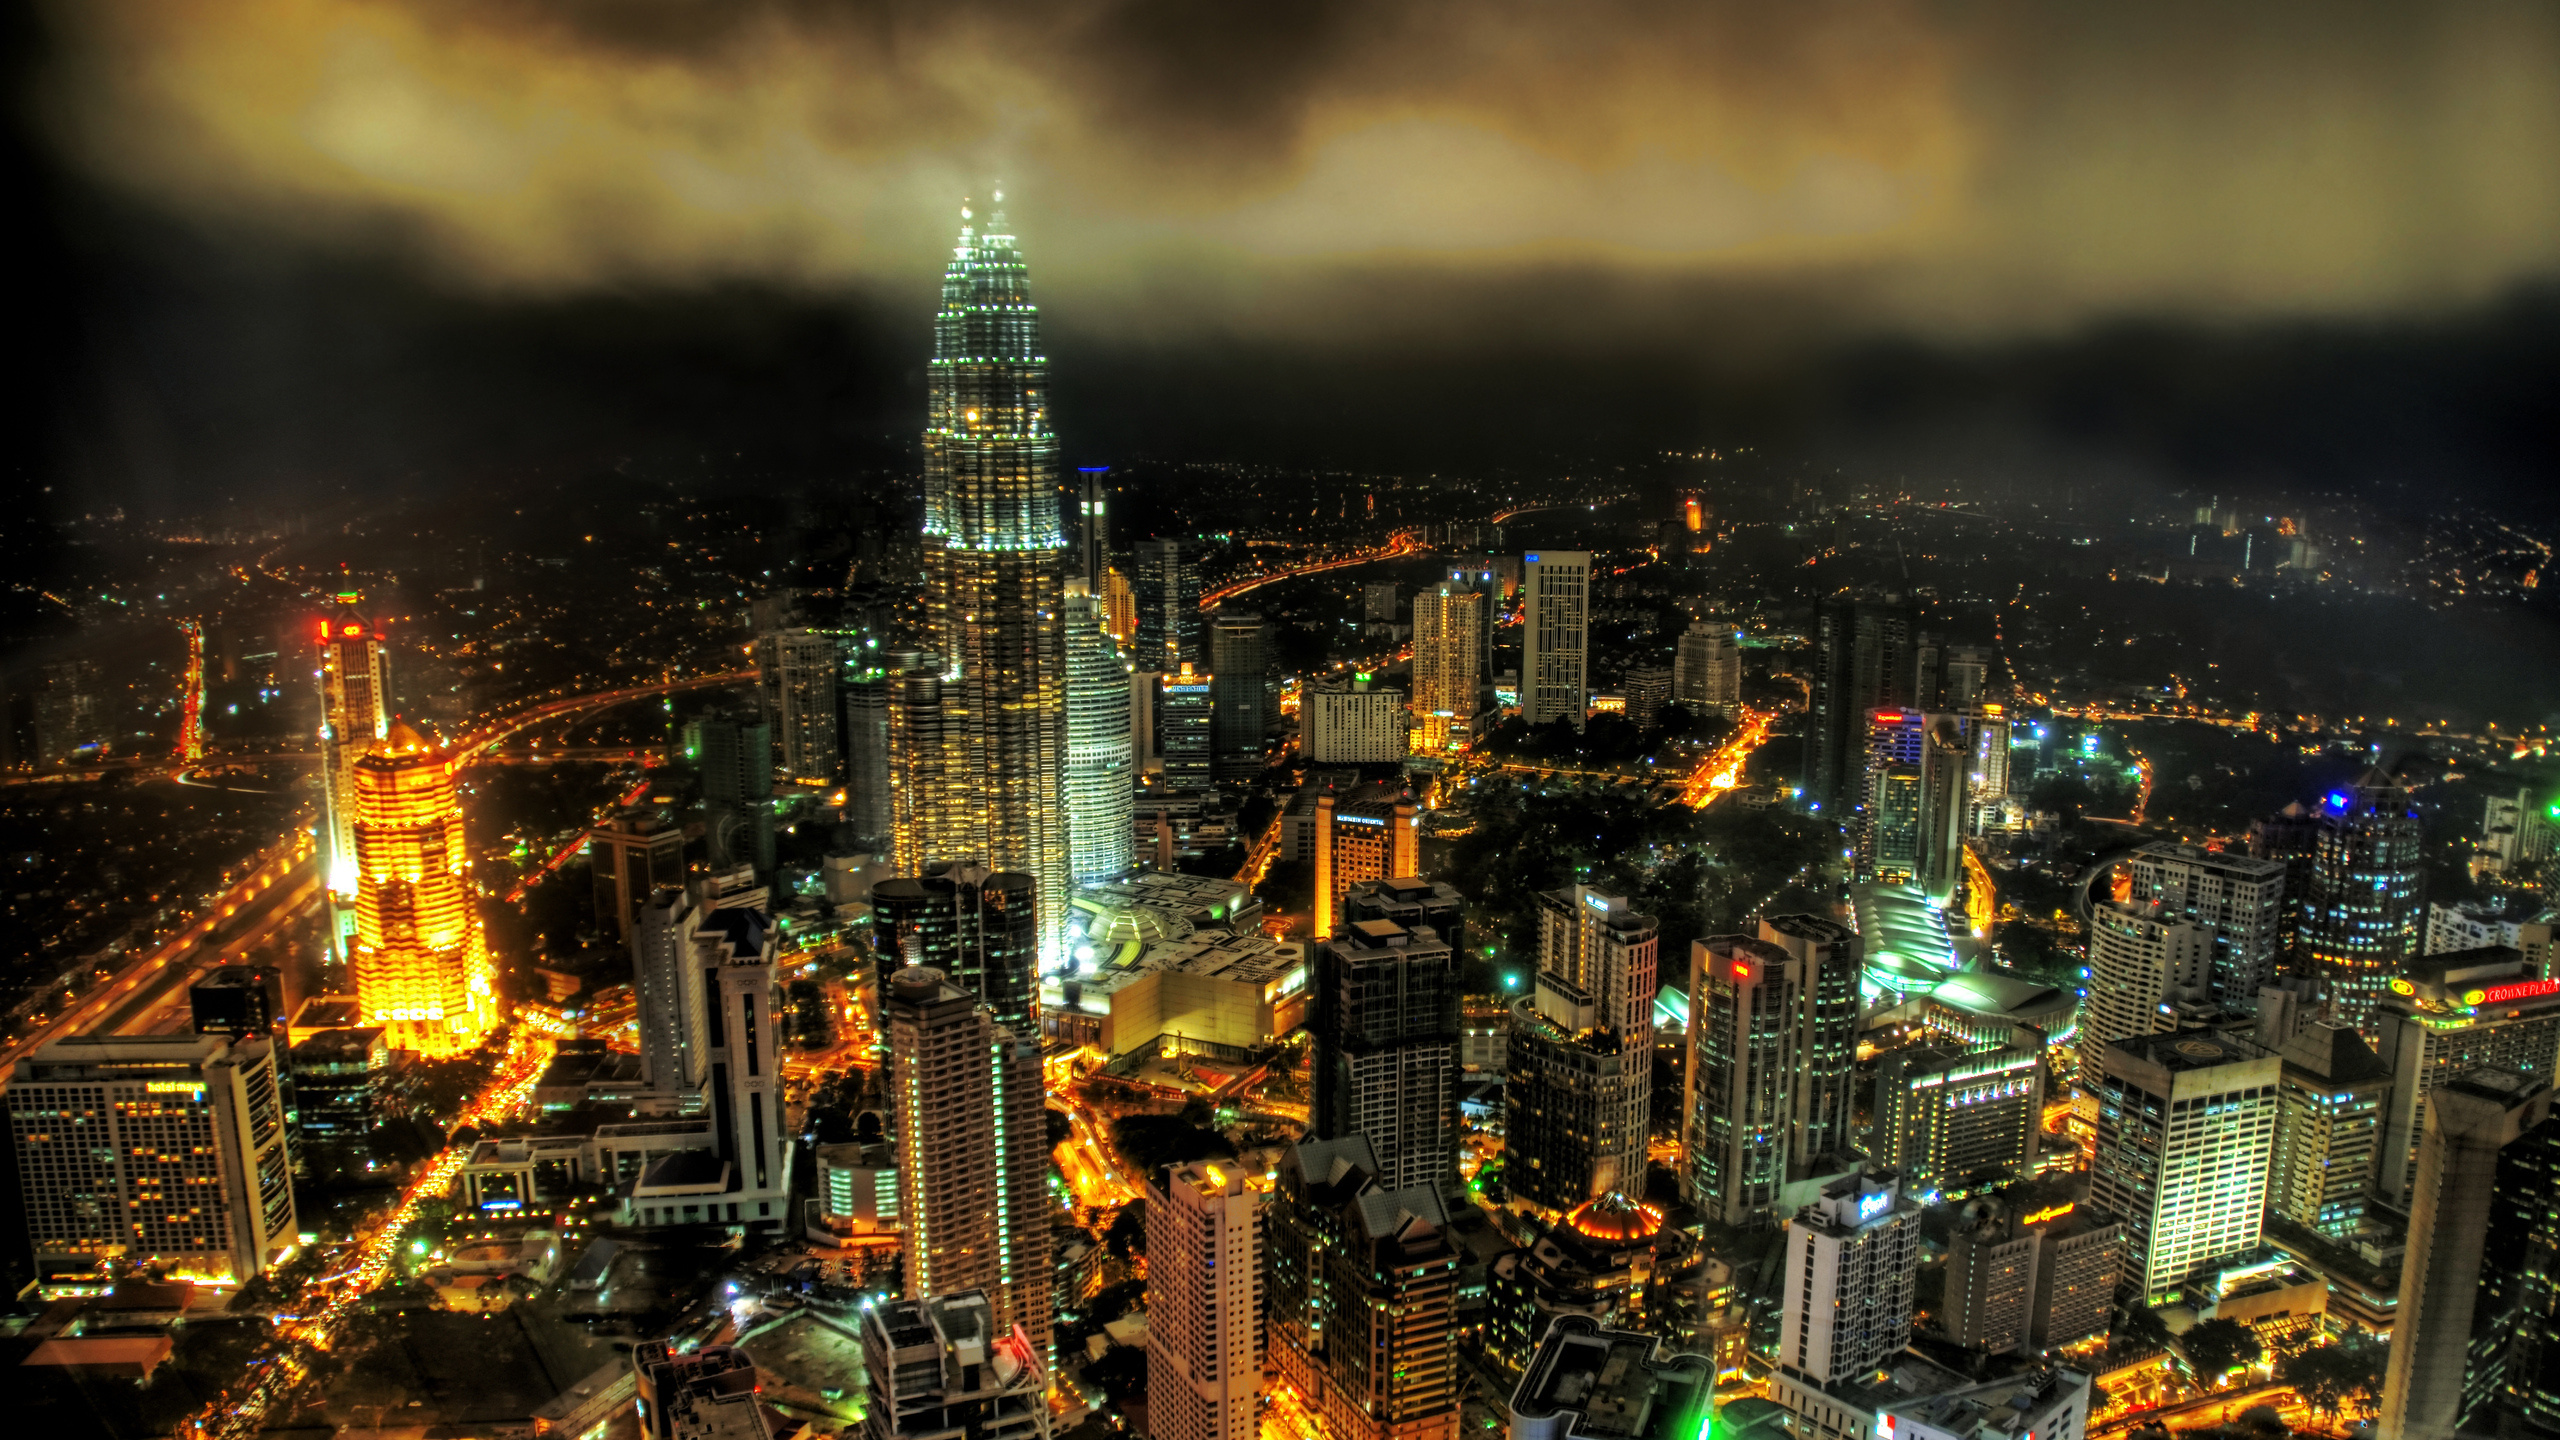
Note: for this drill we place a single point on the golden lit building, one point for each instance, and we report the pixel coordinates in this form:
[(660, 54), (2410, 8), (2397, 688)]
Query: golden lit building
[(1119, 608), (421, 964)]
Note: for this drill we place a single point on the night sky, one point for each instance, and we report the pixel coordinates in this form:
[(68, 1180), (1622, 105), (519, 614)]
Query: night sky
[(279, 245)]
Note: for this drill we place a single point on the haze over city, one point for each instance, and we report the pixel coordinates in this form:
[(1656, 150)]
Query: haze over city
[(1331, 722)]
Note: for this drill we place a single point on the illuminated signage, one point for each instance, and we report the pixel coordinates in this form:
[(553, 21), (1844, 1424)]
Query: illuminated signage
[(175, 1087), (410, 1012), (1532, 559), (1596, 903), (2514, 990), (2403, 987), (1871, 1206), (2051, 1212), (1741, 969)]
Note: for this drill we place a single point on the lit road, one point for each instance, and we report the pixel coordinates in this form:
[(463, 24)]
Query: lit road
[(283, 1362), (1720, 772), (525, 719), (159, 1004), (1399, 545), (289, 864)]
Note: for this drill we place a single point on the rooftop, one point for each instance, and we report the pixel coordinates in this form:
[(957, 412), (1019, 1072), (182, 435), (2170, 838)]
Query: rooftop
[(2183, 1050), (1613, 1384)]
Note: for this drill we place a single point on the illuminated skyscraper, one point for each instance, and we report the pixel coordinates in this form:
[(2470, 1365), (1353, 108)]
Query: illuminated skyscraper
[(354, 690), (2239, 899), (1101, 755), (1204, 1310), (994, 562), (1579, 1092), (1167, 584), (1865, 658), (1093, 526), (1555, 637), (1186, 724), (1241, 699), (973, 1160), (1448, 657), (798, 671), (2360, 920), (421, 965), (2186, 1131), (2146, 966)]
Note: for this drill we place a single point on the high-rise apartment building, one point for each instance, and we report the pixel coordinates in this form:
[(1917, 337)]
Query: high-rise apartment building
[(1739, 1089), (1166, 581), (1555, 636), (674, 1010), (1845, 1311), (973, 1153), (734, 754), (796, 674), (1379, 601), (2328, 1128), (1204, 1303), (994, 586), (2475, 1116), (630, 857), (153, 1150), (870, 799), (1363, 1295), (1578, 1093), (1449, 630), (1706, 669), (2444, 1016), (975, 927), (1186, 709), (355, 689), (1827, 955), (1386, 1048), (2238, 898), (2360, 918), (1361, 725), (1102, 763), (1865, 659), (2147, 969), (2032, 1280), (1889, 826), (2186, 1130), (1242, 705), (952, 1366), (1956, 1122), (421, 965)]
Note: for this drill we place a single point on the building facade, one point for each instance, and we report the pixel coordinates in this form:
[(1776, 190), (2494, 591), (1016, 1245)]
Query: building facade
[(1241, 701), (1386, 1049), (2147, 968), (2186, 1131), (1865, 659), (1166, 581), (951, 1366), (1852, 1259), (355, 716), (1955, 1122), (1706, 669), (1204, 1303), (2444, 1016), (995, 597), (1362, 1321), (2328, 1128), (797, 671), (1739, 1086), (972, 1151), (1102, 762), (1449, 631), (2239, 899), (976, 927), (1186, 729), (137, 1150), (2361, 916), (421, 965), (1555, 636)]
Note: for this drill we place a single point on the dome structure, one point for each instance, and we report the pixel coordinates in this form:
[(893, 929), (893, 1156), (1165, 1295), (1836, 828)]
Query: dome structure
[(1614, 1219)]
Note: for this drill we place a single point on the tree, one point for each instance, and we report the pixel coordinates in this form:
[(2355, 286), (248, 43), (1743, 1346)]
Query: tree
[(1150, 1141), (2333, 1379), (1060, 1127), (2138, 1327), (1127, 1235), (2214, 1348)]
